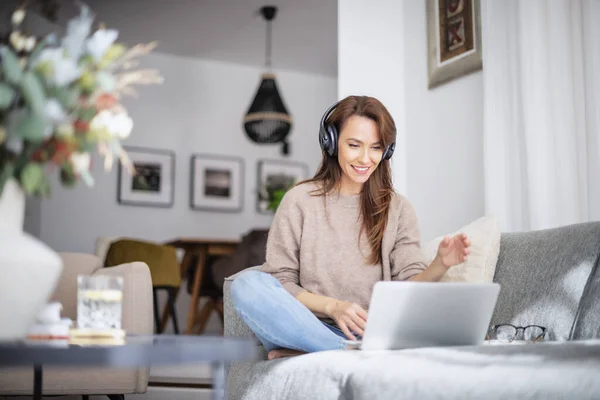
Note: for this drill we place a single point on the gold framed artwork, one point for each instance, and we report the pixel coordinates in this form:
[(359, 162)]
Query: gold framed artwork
[(454, 39)]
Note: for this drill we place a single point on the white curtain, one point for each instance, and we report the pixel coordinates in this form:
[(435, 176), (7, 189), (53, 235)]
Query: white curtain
[(541, 83)]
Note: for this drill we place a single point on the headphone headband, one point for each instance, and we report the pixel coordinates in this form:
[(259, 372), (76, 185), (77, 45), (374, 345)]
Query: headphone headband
[(328, 112)]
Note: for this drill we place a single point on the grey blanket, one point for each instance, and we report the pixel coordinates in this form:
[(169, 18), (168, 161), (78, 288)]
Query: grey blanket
[(567, 370)]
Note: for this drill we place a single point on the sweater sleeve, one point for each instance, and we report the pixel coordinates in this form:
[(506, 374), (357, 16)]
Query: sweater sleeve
[(283, 245), (406, 258)]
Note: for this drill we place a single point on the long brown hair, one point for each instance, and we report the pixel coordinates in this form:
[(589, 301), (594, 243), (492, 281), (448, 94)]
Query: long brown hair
[(377, 192)]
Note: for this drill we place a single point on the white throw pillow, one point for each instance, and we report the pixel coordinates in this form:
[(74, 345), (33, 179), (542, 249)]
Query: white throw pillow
[(484, 234)]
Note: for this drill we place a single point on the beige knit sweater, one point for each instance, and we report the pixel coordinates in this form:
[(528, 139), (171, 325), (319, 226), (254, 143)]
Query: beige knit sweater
[(312, 246)]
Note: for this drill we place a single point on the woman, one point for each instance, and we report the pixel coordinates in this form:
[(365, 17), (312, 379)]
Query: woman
[(334, 236)]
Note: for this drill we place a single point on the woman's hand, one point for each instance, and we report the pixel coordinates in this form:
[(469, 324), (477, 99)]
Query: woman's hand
[(454, 250), (350, 317)]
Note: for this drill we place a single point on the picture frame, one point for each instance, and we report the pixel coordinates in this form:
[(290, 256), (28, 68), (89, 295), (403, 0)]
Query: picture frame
[(216, 183), (152, 184), (454, 39), (278, 174)]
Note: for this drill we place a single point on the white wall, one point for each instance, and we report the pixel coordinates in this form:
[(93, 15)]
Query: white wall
[(370, 63), (445, 137), (198, 109), (438, 165)]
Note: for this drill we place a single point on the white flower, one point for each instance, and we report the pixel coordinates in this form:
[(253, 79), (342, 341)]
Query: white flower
[(63, 69), (81, 167), (65, 130), (80, 162), (30, 44), (14, 144), (78, 30), (106, 81), (117, 125), (54, 111), (100, 42), (18, 16), (17, 41)]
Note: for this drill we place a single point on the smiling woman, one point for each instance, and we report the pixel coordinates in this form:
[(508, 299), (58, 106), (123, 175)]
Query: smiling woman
[(334, 236)]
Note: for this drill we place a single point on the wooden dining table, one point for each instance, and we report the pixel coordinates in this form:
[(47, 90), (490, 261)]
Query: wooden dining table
[(198, 250)]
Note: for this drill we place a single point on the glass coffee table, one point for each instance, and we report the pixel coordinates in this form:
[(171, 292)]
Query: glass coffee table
[(134, 351)]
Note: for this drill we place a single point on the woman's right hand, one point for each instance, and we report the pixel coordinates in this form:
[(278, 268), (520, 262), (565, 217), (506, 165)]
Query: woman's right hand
[(350, 317)]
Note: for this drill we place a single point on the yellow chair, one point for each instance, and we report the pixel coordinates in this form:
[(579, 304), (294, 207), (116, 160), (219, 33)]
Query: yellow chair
[(164, 269)]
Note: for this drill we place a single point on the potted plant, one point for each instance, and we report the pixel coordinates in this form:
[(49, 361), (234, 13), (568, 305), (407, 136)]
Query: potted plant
[(274, 188), (60, 100)]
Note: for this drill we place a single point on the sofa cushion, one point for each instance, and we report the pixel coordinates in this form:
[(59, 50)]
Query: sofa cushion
[(543, 275), (544, 370), (480, 266), (587, 321)]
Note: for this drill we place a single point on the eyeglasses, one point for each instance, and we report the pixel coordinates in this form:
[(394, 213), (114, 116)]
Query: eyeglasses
[(508, 333)]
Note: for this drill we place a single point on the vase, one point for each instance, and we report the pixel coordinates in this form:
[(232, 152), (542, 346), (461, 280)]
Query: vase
[(29, 269)]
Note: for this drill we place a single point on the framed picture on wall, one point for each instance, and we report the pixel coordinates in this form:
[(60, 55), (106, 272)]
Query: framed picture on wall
[(217, 183), (454, 39), (152, 182), (275, 177)]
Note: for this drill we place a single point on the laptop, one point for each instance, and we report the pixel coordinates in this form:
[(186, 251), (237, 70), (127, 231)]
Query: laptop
[(406, 315)]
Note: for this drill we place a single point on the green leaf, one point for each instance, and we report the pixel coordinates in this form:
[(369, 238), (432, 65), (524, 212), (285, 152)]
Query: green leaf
[(11, 67), (8, 169), (86, 145), (7, 94), (36, 52), (33, 179), (32, 127), (33, 92), (88, 114), (106, 81), (67, 97), (67, 175)]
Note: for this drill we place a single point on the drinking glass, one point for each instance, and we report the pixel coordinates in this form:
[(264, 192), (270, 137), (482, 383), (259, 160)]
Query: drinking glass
[(99, 302)]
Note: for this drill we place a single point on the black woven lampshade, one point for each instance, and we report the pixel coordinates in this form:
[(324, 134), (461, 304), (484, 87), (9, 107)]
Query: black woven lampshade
[(267, 119)]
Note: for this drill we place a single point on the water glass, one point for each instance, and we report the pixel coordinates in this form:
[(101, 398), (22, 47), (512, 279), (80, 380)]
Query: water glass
[(99, 302)]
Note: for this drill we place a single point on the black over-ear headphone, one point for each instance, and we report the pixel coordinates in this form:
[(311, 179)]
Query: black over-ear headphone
[(328, 137)]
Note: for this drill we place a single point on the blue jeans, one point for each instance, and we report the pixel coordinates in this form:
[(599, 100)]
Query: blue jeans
[(278, 319)]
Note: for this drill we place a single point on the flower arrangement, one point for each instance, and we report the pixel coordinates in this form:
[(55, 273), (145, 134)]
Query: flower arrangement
[(60, 100)]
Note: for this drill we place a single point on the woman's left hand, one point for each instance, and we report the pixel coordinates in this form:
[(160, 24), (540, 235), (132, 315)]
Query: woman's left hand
[(454, 250)]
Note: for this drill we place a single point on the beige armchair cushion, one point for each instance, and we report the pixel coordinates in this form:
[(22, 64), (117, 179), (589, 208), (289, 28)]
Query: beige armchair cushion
[(137, 319), (66, 289)]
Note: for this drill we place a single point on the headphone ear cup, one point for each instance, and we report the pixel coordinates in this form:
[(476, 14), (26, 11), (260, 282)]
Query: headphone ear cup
[(333, 138), (323, 139), (389, 151)]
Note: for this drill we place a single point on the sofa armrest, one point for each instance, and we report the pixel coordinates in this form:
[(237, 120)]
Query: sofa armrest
[(236, 375), (137, 296)]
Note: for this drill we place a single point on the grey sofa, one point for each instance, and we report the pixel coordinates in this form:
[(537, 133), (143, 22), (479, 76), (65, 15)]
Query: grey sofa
[(548, 277)]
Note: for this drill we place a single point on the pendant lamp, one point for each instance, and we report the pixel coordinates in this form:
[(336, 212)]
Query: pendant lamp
[(267, 120)]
